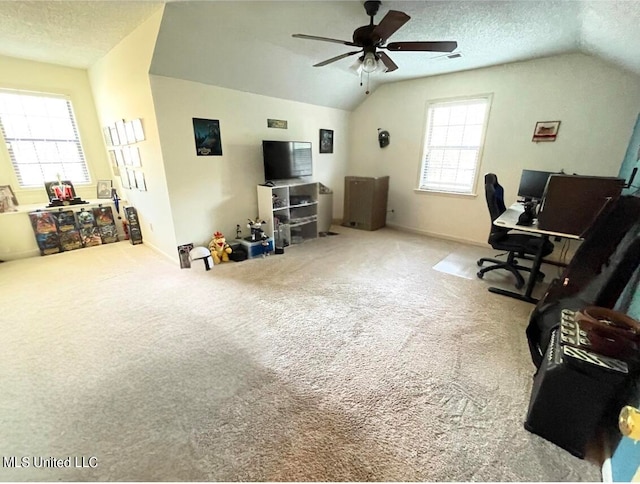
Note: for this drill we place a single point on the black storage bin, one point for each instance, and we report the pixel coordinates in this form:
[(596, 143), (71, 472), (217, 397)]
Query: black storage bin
[(571, 394), (238, 253)]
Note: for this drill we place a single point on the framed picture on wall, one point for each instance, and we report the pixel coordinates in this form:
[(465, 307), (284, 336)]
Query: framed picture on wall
[(115, 140), (8, 200), (122, 132), (137, 129), (326, 141), (141, 183), (104, 188), (546, 131), (207, 136)]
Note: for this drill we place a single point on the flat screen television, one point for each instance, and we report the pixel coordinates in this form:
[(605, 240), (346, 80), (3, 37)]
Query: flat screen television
[(533, 183), (286, 159)]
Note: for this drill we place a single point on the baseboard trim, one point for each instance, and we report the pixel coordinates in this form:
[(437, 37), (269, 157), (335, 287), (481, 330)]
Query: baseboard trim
[(175, 259), (25, 254), (437, 235)]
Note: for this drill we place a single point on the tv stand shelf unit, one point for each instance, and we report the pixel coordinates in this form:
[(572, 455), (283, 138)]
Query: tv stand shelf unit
[(290, 211)]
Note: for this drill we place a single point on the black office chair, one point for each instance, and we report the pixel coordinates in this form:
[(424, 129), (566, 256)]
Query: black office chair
[(515, 245)]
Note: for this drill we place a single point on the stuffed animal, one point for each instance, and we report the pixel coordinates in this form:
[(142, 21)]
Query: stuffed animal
[(219, 248)]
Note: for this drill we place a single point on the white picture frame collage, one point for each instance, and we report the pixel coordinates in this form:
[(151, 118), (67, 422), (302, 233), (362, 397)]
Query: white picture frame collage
[(121, 138)]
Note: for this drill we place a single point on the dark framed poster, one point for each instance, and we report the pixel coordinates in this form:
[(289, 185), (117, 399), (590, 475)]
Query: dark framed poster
[(207, 136), (326, 141)]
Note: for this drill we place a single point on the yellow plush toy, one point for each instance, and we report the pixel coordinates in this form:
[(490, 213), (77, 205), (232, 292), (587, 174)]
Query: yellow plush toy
[(219, 248)]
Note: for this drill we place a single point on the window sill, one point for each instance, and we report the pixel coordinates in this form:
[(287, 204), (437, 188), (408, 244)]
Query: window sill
[(446, 194)]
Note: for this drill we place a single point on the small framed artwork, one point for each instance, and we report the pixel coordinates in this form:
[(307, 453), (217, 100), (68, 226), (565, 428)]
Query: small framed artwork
[(326, 141), (119, 157), (131, 178), (207, 136), (8, 200), (126, 155), (124, 178), (546, 131), (277, 123), (122, 132), (134, 154), (131, 135), (141, 183), (106, 132), (104, 188), (114, 163), (137, 129), (115, 139)]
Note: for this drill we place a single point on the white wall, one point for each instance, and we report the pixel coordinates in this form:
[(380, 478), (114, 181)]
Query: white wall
[(596, 103), (210, 193), (120, 83), (16, 236)]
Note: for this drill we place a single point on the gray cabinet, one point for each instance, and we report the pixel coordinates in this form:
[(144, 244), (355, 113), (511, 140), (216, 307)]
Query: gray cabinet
[(365, 202)]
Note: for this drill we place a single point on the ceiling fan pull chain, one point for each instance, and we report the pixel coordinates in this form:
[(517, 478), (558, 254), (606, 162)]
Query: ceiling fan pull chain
[(367, 91)]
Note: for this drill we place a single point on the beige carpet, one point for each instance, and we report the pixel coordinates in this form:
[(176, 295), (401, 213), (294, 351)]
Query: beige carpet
[(347, 358)]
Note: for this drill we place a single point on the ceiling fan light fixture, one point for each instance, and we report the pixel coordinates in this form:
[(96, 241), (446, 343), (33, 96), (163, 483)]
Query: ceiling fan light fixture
[(358, 68), (369, 63)]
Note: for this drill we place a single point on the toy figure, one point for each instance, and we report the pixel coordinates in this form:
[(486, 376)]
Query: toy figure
[(256, 230), (219, 248), (265, 245)]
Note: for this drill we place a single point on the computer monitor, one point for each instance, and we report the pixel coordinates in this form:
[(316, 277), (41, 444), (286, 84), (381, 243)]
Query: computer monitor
[(533, 183)]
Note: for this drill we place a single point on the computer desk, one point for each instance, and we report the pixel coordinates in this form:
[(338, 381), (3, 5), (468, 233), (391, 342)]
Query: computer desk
[(509, 220)]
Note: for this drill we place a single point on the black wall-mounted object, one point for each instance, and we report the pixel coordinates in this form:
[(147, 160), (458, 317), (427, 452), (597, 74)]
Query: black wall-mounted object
[(383, 138)]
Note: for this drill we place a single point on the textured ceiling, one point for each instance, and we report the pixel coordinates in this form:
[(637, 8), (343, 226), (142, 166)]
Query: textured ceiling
[(69, 33), (248, 46)]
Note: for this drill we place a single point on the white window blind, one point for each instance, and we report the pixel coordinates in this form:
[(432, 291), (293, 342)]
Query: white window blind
[(453, 143), (42, 138)]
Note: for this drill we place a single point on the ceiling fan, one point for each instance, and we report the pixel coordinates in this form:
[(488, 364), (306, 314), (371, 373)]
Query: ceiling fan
[(371, 38)]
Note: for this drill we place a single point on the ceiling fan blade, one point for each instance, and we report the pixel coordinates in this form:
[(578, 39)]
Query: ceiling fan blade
[(389, 24), (324, 39), (336, 58), (422, 46), (386, 60)]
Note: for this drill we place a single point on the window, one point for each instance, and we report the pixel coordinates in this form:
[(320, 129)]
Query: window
[(453, 144), (42, 138)]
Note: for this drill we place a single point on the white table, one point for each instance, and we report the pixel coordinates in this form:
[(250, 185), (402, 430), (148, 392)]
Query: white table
[(509, 220)]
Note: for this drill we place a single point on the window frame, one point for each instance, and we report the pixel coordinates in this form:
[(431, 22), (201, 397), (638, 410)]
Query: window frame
[(488, 97), (15, 163)]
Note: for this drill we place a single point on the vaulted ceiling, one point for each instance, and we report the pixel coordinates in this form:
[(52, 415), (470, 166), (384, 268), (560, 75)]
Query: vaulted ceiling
[(247, 45)]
